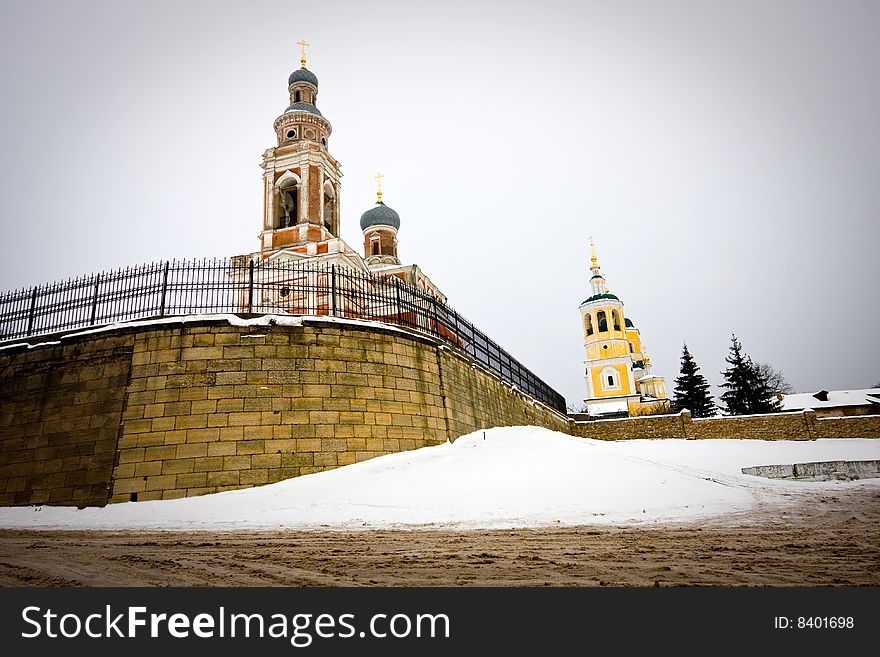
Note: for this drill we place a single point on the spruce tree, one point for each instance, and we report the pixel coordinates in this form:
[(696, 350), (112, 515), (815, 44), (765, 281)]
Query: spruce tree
[(747, 388), (764, 399), (691, 389)]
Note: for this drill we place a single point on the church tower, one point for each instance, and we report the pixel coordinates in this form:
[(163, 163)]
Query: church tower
[(300, 177), (618, 372), (380, 225)]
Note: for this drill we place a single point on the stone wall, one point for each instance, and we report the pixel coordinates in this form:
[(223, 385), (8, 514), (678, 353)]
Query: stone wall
[(652, 426), (60, 410), (774, 426), (202, 407)]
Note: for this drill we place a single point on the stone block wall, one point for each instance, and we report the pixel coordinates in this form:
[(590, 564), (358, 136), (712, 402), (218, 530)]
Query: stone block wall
[(218, 407), (864, 426), (477, 399), (773, 426), (652, 426), (60, 409), (186, 408)]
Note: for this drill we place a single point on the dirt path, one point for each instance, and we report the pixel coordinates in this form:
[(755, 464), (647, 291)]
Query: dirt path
[(833, 540)]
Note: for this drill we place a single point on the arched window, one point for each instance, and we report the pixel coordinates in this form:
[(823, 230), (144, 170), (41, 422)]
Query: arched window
[(610, 378), (616, 317), (329, 206), (286, 201), (602, 321), (289, 198), (632, 348), (588, 320), (374, 246), (296, 96)]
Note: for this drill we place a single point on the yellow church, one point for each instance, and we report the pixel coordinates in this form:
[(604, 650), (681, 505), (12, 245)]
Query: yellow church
[(618, 371)]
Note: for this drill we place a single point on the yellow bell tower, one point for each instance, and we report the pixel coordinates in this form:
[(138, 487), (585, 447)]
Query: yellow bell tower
[(618, 377)]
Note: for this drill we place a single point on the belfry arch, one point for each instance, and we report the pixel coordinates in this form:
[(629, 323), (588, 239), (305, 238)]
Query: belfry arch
[(288, 194)]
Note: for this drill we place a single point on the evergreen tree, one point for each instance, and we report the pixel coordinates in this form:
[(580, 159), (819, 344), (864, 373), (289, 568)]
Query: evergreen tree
[(748, 390), (691, 389)]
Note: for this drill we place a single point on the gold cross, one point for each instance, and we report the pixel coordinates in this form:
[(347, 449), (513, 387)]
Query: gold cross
[(593, 249), (302, 44), (378, 178)]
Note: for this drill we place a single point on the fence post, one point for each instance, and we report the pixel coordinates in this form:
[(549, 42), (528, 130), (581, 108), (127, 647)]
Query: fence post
[(164, 289), (333, 290), (250, 286), (436, 323), (95, 299), (397, 292), (32, 311)]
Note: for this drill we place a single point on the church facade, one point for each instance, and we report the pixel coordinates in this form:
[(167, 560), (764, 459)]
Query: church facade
[(618, 371)]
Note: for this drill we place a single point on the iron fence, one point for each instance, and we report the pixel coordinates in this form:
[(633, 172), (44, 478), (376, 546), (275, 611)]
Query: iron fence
[(246, 287)]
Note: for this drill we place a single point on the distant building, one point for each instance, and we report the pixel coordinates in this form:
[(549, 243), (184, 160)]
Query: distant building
[(618, 371), (835, 403)]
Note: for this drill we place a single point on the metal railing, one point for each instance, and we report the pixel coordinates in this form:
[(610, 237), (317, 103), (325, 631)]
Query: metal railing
[(242, 286)]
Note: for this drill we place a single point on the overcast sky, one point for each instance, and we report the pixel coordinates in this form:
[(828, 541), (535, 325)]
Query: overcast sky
[(725, 155)]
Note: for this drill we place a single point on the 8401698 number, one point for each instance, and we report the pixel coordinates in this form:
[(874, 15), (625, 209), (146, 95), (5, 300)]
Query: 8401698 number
[(814, 622), (825, 622)]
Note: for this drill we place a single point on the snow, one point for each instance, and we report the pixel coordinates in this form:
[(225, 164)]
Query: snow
[(233, 320), (836, 398), (514, 477)]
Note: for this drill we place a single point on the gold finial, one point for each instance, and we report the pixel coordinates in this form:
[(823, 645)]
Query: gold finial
[(302, 44), (378, 178), (593, 250)]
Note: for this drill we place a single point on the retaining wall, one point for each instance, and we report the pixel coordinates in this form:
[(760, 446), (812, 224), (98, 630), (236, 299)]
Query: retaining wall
[(773, 426), (186, 408)]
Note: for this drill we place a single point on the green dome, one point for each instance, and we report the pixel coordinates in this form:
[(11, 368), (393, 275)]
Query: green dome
[(303, 107), (302, 75), (628, 322), (596, 297), (381, 215)]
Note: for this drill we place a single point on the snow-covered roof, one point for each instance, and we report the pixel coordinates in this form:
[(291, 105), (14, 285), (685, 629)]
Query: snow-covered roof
[(831, 399)]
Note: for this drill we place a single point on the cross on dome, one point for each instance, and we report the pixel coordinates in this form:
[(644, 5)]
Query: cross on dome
[(378, 178), (302, 44)]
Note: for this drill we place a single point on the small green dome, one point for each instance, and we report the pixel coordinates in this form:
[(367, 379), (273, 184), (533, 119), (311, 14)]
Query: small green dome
[(381, 215), (596, 297), (628, 322), (302, 75)]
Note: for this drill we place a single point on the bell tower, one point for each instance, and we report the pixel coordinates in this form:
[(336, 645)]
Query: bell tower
[(618, 371), (300, 177)]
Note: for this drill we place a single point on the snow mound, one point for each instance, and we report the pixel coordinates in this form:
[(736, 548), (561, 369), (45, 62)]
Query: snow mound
[(499, 478)]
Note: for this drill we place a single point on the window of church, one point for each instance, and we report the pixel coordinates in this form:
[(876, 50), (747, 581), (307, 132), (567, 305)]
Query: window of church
[(632, 348), (291, 134), (610, 379), (297, 96)]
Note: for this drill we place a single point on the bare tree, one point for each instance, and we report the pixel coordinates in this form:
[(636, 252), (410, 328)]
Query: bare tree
[(775, 379)]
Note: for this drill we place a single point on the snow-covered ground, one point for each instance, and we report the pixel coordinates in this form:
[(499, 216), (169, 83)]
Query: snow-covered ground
[(514, 477)]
